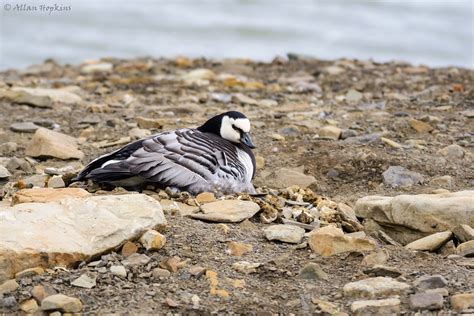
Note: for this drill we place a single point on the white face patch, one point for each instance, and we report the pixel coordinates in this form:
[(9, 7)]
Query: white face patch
[(228, 132)]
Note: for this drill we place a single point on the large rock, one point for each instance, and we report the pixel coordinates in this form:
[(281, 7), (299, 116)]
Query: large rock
[(330, 240), (406, 218), (227, 211), (44, 195), (430, 243), (375, 287), (46, 143), (71, 230)]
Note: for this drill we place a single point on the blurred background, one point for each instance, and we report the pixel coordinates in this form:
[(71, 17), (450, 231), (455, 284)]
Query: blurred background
[(434, 33)]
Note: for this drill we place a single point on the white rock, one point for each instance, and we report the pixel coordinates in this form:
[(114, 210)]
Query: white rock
[(46, 143), (95, 68), (86, 280), (71, 230), (61, 303), (56, 95), (285, 233), (119, 271), (56, 182), (375, 287), (227, 211), (431, 242), (4, 173)]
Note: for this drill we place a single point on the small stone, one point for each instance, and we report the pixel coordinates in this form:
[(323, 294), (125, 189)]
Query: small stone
[(97, 68), (283, 178), (389, 306), (223, 228), (118, 271), (325, 306), (398, 176), (380, 270), (330, 240), (285, 233), (378, 257), (419, 126), (56, 182), (238, 249), (153, 240), (277, 137), (427, 282), (443, 181), (240, 98), (8, 287), (171, 303), (36, 181), (29, 306), (45, 195), (28, 273), (149, 123), (129, 248), (426, 301), (46, 143), (466, 249), (160, 273), (39, 292), (313, 271), (334, 70), (375, 287), (460, 302), (61, 303), (330, 131), (4, 173), (8, 148), (24, 127), (199, 74), (353, 96), (9, 301), (86, 281), (196, 271), (205, 197), (431, 242), (171, 264), (138, 133), (228, 211), (246, 267), (260, 162), (464, 232), (390, 142), (452, 151), (136, 259)]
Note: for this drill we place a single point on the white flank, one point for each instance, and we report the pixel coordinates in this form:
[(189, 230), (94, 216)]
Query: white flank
[(110, 162), (245, 159)]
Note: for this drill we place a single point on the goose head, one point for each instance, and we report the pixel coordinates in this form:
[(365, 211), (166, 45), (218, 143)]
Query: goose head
[(233, 126)]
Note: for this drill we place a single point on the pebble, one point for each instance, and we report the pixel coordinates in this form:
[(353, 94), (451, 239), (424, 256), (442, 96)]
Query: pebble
[(313, 271), (398, 176), (86, 281), (205, 197), (153, 240), (63, 303), (29, 306), (228, 211), (8, 287), (96, 68), (427, 282), (46, 143), (390, 142), (277, 137), (8, 148), (330, 240), (466, 249), (136, 259), (129, 248), (426, 301), (431, 242), (284, 233), (452, 151), (9, 301), (330, 131), (283, 178), (378, 257), (464, 232), (240, 98), (118, 270), (24, 127), (56, 182), (389, 306), (4, 173), (443, 181), (160, 273), (238, 249), (196, 271), (375, 287), (381, 270), (353, 96), (28, 273), (138, 133), (246, 267), (171, 264), (199, 74), (419, 126), (463, 301)]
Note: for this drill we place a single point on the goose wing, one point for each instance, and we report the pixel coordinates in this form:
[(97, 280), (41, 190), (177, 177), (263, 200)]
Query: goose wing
[(182, 158)]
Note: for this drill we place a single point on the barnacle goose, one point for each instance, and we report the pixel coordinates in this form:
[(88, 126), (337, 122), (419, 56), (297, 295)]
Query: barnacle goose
[(216, 156)]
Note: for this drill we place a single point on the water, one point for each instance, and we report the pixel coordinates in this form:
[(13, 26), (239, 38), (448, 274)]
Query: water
[(435, 33)]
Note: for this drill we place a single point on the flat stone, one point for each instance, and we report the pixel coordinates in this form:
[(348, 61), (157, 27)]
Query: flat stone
[(42, 97), (286, 233), (464, 232), (136, 259), (36, 181), (389, 306), (453, 151), (160, 273), (56, 182), (238, 249), (152, 240), (170, 206), (466, 249), (426, 301), (46, 143), (463, 301), (96, 68), (199, 74), (227, 211), (353, 96), (29, 306), (375, 287), (28, 273), (428, 282), (129, 248), (380, 270), (332, 132), (443, 181), (431, 242), (378, 257), (4, 173), (62, 303), (23, 97), (8, 287), (24, 127), (330, 240), (246, 267), (45, 195), (420, 126), (284, 178), (313, 271), (77, 229), (205, 197), (397, 176), (406, 218), (86, 281), (118, 270)]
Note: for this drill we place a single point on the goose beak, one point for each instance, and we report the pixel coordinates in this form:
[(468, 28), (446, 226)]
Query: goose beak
[(245, 139)]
